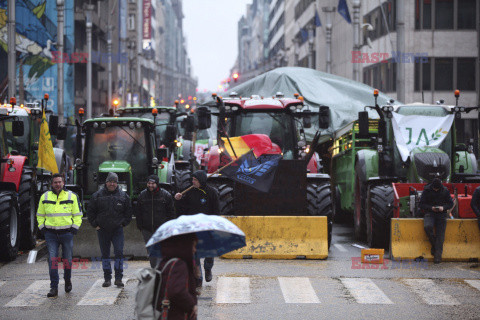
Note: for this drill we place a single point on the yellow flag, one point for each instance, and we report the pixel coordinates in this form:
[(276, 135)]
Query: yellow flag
[(46, 156)]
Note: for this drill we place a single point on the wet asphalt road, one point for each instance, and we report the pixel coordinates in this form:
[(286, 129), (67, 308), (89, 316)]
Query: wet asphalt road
[(336, 288)]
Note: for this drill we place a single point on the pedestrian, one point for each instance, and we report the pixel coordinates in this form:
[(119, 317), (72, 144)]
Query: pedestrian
[(154, 208), (177, 291), (59, 218), (435, 201), (200, 199), (475, 204), (109, 210)]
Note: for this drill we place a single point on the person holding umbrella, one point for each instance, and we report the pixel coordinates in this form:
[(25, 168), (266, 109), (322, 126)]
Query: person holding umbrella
[(200, 198), (154, 208)]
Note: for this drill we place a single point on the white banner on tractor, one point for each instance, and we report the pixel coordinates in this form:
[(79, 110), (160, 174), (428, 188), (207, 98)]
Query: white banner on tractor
[(419, 131)]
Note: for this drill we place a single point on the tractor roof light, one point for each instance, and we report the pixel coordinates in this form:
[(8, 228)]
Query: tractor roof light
[(375, 93), (154, 112), (296, 95), (300, 98), (81, 111), (13, 101), (457, 93)]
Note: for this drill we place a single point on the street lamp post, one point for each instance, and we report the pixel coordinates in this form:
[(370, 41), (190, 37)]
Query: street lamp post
[(109, 66), (329, 11), (296, 44), (88, 17), (12, 87), (311, 40), (356, 37), (60, 26)]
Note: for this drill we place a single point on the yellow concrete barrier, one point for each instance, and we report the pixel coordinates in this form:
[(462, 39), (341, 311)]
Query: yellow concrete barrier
[(281, 237), (409, 240)]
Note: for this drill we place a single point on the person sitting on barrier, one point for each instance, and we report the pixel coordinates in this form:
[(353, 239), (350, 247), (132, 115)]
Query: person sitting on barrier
[(475, 204), (200, 199), (435, 202)]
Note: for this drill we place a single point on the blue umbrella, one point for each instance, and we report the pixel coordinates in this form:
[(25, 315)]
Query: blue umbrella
[(216, 235)]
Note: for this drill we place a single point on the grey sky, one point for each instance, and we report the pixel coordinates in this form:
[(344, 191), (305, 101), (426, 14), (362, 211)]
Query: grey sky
[(210, 27)]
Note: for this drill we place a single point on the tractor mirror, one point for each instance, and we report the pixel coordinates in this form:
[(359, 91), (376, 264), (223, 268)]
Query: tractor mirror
[(324, 117), (189, 123), (53, 125), (170, 135), (62, 133), (204, 118), (17, 128), (307, 119), (363, 124)]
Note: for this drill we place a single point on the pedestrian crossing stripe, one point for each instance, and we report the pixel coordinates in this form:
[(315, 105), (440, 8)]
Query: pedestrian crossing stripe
[(474, 283), (233, 290), (340, 247), (33, 296), (297, 290), (429, 292), (365, 291), (100, 296)]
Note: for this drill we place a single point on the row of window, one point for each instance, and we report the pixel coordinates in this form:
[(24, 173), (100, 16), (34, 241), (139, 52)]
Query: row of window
[(275, 9), (444, 74), (301, 6), (278, 25), (381, 76), (382, 18), (445, 14)]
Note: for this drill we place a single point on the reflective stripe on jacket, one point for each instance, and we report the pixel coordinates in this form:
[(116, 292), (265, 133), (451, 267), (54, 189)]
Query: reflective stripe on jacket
[(59, 212)]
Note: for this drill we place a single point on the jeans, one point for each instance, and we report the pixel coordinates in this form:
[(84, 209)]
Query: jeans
[(54, 241), (207, 264), (115, 237), (146, 236), (437, 221)]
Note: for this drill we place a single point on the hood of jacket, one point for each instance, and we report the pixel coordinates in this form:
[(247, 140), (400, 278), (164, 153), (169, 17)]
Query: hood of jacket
[(201, 176)]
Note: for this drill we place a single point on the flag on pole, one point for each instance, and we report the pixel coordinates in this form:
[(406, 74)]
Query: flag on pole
[(318, 23), (343, 10), (46, 156), (255, 172)]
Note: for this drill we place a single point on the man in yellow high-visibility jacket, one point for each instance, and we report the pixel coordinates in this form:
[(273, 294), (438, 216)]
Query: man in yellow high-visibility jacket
[(59, 218)]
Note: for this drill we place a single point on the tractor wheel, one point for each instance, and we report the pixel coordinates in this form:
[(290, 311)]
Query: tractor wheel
[(42, 187), (182, 179), (225, 193), (379, 213), (359, 221), (9, 237), (26, 202), (319, 203)]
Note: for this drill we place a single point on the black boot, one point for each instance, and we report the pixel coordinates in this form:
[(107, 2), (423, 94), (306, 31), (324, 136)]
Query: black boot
[(53, 293), (68, 286), (107, 283), (119, 283), (208, 275)]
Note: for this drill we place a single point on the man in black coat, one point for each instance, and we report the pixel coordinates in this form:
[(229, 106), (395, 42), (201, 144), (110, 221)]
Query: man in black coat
[(435, 202), (109, 210), (475, 204), (200, 199), (154, 208)]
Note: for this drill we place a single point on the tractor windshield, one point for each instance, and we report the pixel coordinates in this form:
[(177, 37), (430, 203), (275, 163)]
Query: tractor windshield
[(19, 144), (116, 143), (163, 119), (278, 126)]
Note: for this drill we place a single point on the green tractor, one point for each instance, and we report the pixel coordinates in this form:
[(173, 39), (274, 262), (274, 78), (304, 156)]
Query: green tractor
[(368, 157), (126, 146)]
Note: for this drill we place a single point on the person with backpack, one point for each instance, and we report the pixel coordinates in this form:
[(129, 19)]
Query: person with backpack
[(154, 208), (177, 297)]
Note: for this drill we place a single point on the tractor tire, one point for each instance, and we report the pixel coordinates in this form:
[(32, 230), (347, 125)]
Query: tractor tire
[(225, 193), (182, 179), (42, 187), (359, 220), (26, 202), (9, 227), (319, 203), (379, 213)]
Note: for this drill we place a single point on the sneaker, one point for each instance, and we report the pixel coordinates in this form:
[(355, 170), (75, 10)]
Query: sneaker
[(107, 283), (68, 286), (119, 283), (53, 293), (208, 275)]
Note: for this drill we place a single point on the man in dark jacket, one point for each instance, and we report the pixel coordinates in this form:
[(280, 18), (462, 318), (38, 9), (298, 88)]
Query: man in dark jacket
[(154, 208), (109, 210), (200, 199), (475, 204), (434, 202)]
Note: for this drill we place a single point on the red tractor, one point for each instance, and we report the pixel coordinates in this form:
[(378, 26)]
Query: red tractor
[(299, 188), (16, 201)]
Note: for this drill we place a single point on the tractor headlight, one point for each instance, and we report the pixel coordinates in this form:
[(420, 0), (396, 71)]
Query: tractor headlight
[(123, 187), (235, 108), (131, 125), (103, 125), (227, 108), (292, 108), (179, 144), (95, 125), (139, 125)]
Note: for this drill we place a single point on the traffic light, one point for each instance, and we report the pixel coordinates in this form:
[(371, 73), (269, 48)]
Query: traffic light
[(235, 76)]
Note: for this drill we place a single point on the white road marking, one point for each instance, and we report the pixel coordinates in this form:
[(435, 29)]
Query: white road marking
[(365, 291), (340, 247), (474, 283), (358, 246), (32, 256), (33, 296), (298, 290), (430, 292), (99, 296), (233, 290)]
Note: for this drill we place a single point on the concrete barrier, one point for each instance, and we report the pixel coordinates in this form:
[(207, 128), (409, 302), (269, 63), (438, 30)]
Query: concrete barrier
[(85, 243), (409, 240), (282, 237)]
